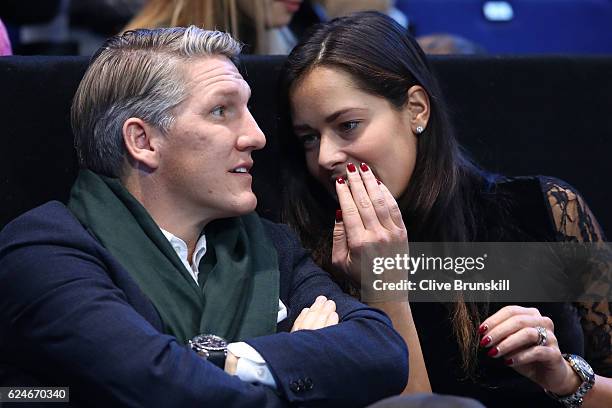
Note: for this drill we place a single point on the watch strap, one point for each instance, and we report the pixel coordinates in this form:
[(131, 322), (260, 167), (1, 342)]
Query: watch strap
[(217, 357)]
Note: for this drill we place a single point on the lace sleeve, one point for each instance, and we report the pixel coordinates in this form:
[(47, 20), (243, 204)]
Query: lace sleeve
[(574, 222)]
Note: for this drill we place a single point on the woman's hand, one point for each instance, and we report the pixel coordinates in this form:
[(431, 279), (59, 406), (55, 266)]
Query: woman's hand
[(321, 314), (369, 224), (512, 334)]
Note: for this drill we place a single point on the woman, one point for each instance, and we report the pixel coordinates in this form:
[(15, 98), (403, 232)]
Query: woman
[(365, 107), (260, 24)]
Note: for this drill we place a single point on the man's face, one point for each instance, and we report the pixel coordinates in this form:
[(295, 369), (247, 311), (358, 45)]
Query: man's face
[(205, 158)]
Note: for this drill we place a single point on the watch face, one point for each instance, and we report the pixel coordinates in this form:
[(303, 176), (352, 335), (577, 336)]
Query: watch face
[(583, 366), (209, 342)]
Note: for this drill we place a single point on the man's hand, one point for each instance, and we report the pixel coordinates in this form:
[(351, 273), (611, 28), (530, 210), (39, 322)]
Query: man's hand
[(321, 314), (231, 363)]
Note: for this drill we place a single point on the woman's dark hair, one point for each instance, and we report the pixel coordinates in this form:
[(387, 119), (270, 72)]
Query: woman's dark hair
[(438, 205)]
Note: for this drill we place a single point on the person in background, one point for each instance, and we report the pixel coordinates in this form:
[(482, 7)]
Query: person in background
[(65, 27), (369, 128), (445, 44), (260, 24), (37, 27), (93, 21), (338, 8), (5, 42), (434, 44)]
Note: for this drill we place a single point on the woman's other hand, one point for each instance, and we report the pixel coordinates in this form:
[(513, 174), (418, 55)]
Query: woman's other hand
[(526, 341), (369, 223)]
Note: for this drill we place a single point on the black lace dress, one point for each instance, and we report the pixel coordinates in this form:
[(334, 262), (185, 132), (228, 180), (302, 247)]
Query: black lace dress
[(540, 209)]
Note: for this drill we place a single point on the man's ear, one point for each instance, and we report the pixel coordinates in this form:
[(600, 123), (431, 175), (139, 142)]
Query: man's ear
[(418, 108), (141, 142)]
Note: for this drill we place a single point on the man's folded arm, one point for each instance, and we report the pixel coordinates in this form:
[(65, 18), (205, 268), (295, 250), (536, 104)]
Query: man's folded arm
[(358, 361), (65, 321)]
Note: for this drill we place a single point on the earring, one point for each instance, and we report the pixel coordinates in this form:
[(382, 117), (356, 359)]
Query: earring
[(419, 130)]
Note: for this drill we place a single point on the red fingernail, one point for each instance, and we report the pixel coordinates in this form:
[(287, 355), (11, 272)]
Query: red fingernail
[(493, 352), (508, 361), (483, 329), (351, 168), (364, 167), (485, 341), (338, 215), (340, 180), (378, 181)]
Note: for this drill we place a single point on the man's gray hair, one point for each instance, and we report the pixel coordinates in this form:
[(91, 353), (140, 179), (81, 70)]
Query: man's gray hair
[(139, 74)]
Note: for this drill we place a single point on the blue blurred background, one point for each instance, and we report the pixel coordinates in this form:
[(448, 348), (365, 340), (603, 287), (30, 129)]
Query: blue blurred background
[(517, 26)]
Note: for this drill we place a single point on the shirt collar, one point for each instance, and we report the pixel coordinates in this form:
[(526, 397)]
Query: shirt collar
[(180, 247)]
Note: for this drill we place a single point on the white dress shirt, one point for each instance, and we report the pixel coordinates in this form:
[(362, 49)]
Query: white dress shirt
[(251, 366)]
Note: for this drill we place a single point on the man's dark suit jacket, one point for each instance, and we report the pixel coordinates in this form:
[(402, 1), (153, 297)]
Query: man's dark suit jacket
[(71, 315)]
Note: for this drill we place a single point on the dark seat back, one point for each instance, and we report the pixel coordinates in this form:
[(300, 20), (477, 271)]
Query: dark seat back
[(516, 116)]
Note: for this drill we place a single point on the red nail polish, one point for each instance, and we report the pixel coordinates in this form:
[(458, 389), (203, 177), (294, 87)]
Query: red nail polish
[(340, 180), (351, 168), (338, 215), (485, 341), (493, 352), (483, 329), (378, 181), (364, 167), (508, 362)]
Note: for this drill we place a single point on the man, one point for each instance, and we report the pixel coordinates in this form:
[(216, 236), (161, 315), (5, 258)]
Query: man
[(159, 244)]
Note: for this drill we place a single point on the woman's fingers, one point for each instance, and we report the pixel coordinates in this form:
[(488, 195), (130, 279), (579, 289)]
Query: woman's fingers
[(504, 314), (539, 354), (526, 341), (351, 218), (371, 224), (364, 196), (394, 211), (361, 198), (377, 197), (525, 338), (514, 329), (340, 248), (514, 324)]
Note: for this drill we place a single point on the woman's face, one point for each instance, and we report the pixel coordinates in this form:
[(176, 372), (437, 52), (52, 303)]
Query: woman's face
[(338, 123), (278, 13)]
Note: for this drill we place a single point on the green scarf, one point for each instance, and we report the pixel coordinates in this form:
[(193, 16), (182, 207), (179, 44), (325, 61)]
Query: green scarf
[(237, 296)]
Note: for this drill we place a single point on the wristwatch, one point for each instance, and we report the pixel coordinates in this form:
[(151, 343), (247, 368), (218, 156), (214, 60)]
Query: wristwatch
[(586, 374), (210, 347)]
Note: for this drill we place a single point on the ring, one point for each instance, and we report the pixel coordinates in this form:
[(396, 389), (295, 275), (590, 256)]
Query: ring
[(542, 336)]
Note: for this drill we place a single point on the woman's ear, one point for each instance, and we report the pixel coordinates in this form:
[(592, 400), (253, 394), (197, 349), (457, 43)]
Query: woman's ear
[(418, 108), (141, 142)]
